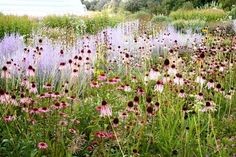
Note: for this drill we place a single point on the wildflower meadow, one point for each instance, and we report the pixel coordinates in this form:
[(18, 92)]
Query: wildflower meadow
[(133, 88)]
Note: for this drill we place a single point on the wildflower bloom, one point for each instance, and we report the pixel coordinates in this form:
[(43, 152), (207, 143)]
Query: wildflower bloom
[(154, 74), (105, 109), (101, 134), (209, 106), (210, 84), (42, 145), (200, 96), (172, 71), (159, 87), (102, 77), (9, 118), (30, 71), (181, 93), (115, 122), (5, 72), (178, 80)]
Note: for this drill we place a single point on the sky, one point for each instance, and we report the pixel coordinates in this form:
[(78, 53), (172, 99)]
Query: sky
[(41, 7)]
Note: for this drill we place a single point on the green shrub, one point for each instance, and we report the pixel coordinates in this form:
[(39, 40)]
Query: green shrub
[(16, 24), (201, 14), (187, 5), (82, 25), (57, 21), (232, 13), (189, 24), (160, 19), (142, 15)]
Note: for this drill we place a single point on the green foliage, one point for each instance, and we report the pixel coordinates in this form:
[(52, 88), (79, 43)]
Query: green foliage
[(57, 21), (135, 5), (227, 4), (232, 13), (188, 5), (142, 15), (16, 24), (160, 19), (201, 14), (82, 25), (189, 24)]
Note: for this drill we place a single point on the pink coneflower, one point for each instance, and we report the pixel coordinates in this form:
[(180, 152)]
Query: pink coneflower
[(150, 111), (101, 134), (140, 91), (30, 71), (102, 77), (48, 86), (159, 87), (130, 106), (43, 110), (200, 96), (72, 131), (154, 74), (201, 80), (127, 88), (42, 145), (64, 115), (34, 111), (105, 109), (63, 123), (33, 88), (172, 71), (94, 84), (178, 80), (136, 100), (5, 72), (26, 100), (210, 84), (209, 106), (116, 79), (75, 121), (9, 118), (75, 73), (181, 93), (57, 106), (115, 122)]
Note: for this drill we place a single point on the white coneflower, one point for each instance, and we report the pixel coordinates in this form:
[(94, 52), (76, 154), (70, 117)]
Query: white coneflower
[(5, 72), (105, 109), (127, 88), (75, 74), (62, 66), (200, 96), (181, 93), (178, 80), (154, 74), (201, 80), (159, 87), (33, 88), (210, 84), (30, 71), (172, 71), (209, 106)]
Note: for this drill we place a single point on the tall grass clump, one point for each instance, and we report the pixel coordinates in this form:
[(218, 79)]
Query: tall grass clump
[(189, 24), (84, 24), (203, 14), (10, 24)]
